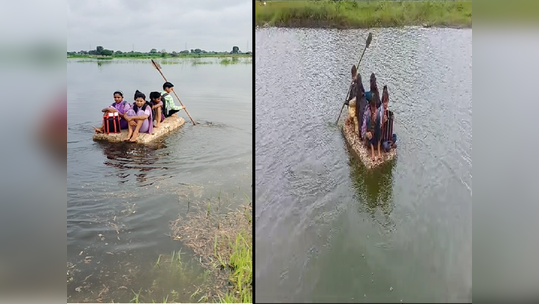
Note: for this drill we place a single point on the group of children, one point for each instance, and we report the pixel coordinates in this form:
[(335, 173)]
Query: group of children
[(139, 116), (372, 114)]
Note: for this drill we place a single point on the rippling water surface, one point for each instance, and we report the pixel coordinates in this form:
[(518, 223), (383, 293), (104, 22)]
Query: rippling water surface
[(328, 230), (121, 197)]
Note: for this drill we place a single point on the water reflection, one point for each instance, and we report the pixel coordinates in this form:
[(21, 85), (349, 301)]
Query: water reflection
[(129, 157), (374, 188)]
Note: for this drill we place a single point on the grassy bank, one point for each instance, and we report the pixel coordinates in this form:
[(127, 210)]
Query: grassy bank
[(142, 56), (363, 14)]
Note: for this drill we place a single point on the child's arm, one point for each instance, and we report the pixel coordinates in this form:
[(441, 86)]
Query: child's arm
[(170, 103)]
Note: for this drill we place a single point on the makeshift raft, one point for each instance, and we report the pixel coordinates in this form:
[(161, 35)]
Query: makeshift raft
[(166, 126), (361, 149)]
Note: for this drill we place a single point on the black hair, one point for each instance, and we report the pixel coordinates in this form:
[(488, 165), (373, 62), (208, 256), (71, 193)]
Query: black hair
[(154, 95), (360, 88), (119, 93), (167, 85), (139, 94), (374, 86), (385, 94)]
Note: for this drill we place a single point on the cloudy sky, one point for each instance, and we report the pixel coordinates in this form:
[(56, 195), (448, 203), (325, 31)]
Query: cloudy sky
[(211, 25)]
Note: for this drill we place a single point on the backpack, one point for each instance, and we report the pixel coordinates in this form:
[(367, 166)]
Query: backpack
[(165, 110), (111, 123)]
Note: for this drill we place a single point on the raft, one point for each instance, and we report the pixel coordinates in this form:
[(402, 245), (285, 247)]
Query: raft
[(166, 126), (362, 150)]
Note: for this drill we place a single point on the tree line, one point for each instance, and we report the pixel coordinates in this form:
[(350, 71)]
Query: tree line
[(100, 51)]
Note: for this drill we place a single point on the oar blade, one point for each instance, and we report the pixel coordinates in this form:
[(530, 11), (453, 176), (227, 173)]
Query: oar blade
[(369, 39)]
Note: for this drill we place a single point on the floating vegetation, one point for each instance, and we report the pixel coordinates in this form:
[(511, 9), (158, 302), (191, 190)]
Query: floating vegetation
[(223, 243)]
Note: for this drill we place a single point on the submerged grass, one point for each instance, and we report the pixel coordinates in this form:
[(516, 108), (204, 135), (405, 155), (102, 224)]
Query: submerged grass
[(223, 243), (364, 14)]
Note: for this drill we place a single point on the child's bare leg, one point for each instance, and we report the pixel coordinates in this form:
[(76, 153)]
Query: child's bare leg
[(372, 152), (137, 128), (129, 132), (100, 130), (379, 154), (158, 118)]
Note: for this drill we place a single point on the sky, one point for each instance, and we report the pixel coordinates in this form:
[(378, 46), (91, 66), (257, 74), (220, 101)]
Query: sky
[(211, 25)]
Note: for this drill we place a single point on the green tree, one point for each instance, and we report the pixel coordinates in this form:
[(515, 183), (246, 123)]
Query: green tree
[(98, 50), (107, 52), (235, 50), (153, 51)]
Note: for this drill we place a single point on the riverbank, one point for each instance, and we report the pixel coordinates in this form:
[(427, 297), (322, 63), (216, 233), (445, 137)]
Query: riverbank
[(168, 56), (363, 14)]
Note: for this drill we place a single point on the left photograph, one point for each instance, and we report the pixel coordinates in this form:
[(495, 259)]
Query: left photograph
[(159, 151)]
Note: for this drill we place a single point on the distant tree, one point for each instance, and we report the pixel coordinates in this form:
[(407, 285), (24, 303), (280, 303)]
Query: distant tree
[(153, 51), (163, 51), (118, 53), (192, 51), (198, 51), (184, 52), (235, 50), (106, 52), (174, 54), (98, 50)]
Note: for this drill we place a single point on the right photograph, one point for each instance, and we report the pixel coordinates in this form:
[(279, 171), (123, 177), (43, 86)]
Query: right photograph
[(363, 151)]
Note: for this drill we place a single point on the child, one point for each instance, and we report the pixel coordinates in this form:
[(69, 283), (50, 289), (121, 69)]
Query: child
[(371, 128), (389, 139), (353, 89), (139, 118), (119, 105), (169, 108), (157, 108), (374, 93), (361, 104)]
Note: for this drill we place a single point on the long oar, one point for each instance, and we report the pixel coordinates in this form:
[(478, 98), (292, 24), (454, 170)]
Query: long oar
[(369, 39), (158, 68)]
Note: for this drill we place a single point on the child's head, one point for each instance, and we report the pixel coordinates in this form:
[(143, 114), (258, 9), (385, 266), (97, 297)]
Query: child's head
[(167, 86), (374, 87), (354, 71), (385, 98), (155, 96), (118, 96), (360, 89), (372, 103), (140, 99)]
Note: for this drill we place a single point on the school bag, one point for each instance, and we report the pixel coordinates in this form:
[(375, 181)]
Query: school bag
[(165, 110), (111, 122)]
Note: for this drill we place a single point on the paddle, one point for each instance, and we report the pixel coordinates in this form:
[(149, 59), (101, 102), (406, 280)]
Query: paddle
[(369, 39), (158, 68)]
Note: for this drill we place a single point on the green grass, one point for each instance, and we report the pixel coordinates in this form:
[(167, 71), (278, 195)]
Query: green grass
[(363, 14), (241, 264)]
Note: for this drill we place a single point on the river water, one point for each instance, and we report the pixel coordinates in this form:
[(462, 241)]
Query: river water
[(121, 197), (327, 230)]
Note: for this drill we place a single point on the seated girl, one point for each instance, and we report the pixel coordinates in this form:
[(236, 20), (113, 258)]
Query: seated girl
[(373, 93), (139, 118), (157, 108), (119, 105), (371, 128)]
